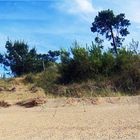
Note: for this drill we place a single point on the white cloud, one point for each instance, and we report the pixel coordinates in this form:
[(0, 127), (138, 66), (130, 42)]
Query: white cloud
[(81, 8)]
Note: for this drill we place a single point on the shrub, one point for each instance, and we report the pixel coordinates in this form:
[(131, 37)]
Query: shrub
[(128, 71), (29, 78), (48, 78), (108, 61), (83, 63)]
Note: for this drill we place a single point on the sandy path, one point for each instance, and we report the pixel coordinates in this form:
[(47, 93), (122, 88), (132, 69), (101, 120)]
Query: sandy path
[(88, 122)]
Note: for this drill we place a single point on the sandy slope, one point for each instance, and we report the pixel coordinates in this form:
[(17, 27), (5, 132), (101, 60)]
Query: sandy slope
[(56, 121)]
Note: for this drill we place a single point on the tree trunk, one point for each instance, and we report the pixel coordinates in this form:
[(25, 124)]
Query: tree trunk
[(114, 42)]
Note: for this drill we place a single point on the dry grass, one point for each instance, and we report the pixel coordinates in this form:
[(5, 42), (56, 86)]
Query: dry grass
[(20, 92)]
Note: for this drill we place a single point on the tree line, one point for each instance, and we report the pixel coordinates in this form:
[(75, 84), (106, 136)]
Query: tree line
[(23, 60), (83, 63)]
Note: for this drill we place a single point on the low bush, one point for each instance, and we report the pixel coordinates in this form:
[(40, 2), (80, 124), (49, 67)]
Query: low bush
[(84, 63)]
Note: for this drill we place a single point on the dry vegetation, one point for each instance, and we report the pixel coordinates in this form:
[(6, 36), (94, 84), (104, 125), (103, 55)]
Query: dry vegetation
[(15, 89)]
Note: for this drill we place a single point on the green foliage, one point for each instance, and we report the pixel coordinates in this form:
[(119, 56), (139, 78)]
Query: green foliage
[(48, 79), (128, 71), (84, 63), (112, 26), (108, 63), (21, 60), (95, 59)]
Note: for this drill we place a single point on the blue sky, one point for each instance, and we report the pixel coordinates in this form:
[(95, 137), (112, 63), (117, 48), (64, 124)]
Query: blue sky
[(55, 24)]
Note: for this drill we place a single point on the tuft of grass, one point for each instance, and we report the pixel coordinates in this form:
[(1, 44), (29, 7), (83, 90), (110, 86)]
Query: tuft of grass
[(29, 78), (5, 83)]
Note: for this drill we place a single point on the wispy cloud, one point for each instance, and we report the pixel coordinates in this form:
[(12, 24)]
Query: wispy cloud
[(82, 8), (130, 7), (54, 23), (134, 10)]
